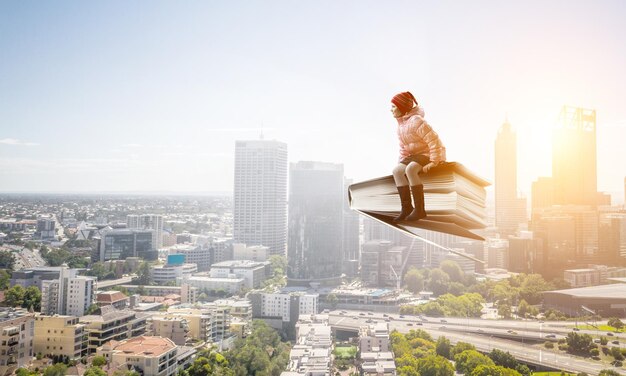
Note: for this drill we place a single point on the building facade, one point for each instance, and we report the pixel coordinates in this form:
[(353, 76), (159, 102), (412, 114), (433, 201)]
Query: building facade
[(61, 336), (118, 244), (260, 194), (17, 329), (510, 210), (316, 204), (152, 222), (153, 356)]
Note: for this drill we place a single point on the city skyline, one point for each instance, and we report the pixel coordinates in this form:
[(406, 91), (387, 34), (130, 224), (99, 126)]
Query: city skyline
[(153, 100)]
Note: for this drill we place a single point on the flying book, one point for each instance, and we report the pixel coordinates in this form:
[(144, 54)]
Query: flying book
[(454, 201)]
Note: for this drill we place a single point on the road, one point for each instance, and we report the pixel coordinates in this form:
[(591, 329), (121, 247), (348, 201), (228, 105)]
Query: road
[(114, 282), (485, 335), (26, 258)]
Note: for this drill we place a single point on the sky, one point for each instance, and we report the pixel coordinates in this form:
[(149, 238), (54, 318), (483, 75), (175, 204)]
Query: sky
[(130, 96)]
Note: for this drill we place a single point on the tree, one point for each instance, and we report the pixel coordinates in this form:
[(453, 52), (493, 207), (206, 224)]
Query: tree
[(616, 323), (608, 372), (32, 298), (5, 279), (332, 300), (504, 310), (487, 370), (99, 361), (523, 308), (579, 343), (414, 280), (7, 260), (94, 371), (443, 347), (468, 360), (144, 275), (438, 281), (460, 347), (453, 270), (58, 369), (14, 297), (434, 365), (92, 310)]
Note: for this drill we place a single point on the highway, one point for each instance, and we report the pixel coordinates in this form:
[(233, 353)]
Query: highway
[(114, 282), (506, 335)]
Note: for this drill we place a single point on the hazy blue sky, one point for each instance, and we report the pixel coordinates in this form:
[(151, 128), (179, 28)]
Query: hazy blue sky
[(151, 95)]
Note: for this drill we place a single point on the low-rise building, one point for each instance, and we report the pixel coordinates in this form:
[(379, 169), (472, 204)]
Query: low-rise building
[(311, 354), (151, 356), (117, 299), (374, 338), (288, 306), (113, 325), (174, 328), (17, 327), (375, 350), (230, 285), (254, 253), (194, 254), (170, 273), (253, 273), (60, 336)]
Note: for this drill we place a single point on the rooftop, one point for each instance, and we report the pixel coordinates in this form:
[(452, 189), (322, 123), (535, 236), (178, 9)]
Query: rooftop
[(613, 291), (110, 296), (240, 264), (142, 345)]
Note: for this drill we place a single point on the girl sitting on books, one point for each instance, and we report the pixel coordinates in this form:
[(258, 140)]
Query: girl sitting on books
[(420, 150)]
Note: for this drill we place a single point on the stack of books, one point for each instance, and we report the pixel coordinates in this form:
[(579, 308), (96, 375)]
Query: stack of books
[(454, 201)]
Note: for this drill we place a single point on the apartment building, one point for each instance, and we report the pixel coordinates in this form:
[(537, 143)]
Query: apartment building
[(17, 328), (60, 336), (153, 356)]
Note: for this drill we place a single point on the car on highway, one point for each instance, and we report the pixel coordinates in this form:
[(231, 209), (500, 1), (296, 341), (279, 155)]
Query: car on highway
[(616, 342), (401, 316), (409, 324), (361, 314), (576, 329), (369, 321), (442, 320), (551, 336), (355, 318), (480, 331), (610, 334), (385, 315), (370, 313)]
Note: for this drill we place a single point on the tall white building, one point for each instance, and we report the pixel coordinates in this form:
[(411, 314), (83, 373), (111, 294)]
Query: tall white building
[(148, 222), (260, 194), (69, 294), (510, 210)]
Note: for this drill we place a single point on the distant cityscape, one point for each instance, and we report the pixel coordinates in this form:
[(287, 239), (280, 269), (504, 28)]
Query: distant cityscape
[(155, 284)]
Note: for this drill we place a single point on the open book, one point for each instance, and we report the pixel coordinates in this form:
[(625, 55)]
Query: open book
[(454, 201)]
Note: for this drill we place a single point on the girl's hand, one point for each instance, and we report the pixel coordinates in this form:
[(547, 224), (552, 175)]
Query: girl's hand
[(428, 167)]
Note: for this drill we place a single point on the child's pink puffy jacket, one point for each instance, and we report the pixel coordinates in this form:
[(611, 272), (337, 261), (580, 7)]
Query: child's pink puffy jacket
[(418, 138)]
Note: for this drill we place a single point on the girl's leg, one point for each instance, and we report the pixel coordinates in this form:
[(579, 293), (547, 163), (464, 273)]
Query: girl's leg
[(412, 172), (398, 175)]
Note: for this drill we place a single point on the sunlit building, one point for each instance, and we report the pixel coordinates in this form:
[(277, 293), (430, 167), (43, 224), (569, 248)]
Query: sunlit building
[(574, 166), (260, 194), (510, 209)]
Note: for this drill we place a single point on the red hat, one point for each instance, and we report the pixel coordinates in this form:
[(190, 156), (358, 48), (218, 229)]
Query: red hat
[(404, 101)]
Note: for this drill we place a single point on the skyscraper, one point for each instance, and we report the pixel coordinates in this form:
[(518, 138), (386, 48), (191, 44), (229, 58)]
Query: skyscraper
[(148, 222), (260, 194), (574, 157), (510, 210), (316, 204)]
